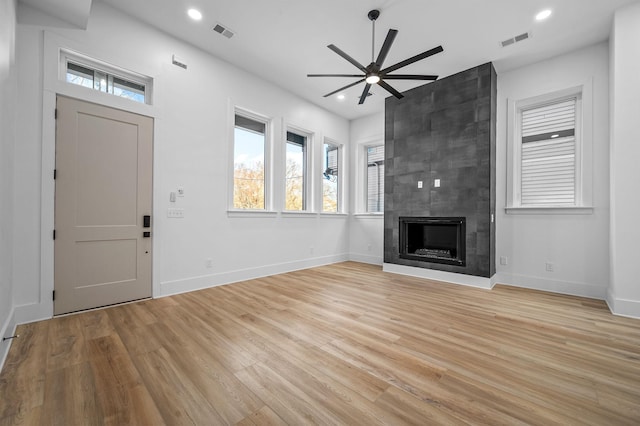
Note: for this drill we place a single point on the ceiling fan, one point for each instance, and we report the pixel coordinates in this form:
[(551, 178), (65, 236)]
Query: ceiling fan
[(374, 73)]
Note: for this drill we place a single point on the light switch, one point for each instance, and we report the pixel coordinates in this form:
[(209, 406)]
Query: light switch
[(172, 197), (181, 191), (419, 184), (175, 213), (436, 183)]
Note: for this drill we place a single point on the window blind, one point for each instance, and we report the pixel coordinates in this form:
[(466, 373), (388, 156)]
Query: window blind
[(375, 178), (548, 168)]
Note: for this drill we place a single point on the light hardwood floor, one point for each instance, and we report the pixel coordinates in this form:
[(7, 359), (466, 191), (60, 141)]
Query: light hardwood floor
[(340, 344)]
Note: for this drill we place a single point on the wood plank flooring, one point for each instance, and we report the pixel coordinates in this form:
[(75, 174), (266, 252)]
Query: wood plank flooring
[(343, 344)]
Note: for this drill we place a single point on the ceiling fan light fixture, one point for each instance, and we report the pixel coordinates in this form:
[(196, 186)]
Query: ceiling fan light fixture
[(372, 79)]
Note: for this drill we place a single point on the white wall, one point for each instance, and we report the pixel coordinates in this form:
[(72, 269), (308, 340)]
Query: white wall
[(191, 111), (191, 147), (577, 245), (624, 293), (8, 85), (366, 231)]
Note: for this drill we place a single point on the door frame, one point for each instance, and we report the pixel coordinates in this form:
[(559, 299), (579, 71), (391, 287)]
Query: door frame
[(52, 87)]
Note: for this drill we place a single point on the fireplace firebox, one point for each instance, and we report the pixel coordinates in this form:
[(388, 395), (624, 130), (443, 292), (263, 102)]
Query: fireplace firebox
[(433, 239)]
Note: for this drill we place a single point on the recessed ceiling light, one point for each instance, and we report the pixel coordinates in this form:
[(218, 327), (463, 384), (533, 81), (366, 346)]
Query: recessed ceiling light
[(541, 16), (194, 14), (341, 97)]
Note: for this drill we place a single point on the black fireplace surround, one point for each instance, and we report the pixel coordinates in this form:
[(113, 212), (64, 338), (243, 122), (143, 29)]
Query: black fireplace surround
[(433, 239)]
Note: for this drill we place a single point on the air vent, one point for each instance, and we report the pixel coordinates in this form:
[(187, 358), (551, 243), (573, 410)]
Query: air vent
[(223, 30), (515, 39), (178, 62)]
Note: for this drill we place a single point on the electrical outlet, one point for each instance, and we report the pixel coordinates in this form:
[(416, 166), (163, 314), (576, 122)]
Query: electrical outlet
[(311, 249), (180, 191), (208, 262), (368, 247), (549, 266), (175, 213), (504, 260)]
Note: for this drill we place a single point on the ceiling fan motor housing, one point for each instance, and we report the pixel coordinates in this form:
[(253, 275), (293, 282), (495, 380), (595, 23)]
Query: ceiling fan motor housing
[(373, 14)]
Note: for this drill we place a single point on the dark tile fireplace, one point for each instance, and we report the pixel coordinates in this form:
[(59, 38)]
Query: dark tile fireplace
[(433, 239), (440, 162)]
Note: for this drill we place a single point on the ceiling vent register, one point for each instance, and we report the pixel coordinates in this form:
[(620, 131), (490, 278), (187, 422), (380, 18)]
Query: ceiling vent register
[(516, 39), (223, 30)]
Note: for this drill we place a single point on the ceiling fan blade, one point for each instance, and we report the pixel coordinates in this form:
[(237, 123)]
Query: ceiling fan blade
[(347, 57), (412, 60), (365, 93), (390, 89), (410, 77), (345, 87), (335, 75), (391, 35)]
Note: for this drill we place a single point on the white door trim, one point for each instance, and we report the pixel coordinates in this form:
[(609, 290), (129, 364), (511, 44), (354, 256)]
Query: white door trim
[(52, 87)]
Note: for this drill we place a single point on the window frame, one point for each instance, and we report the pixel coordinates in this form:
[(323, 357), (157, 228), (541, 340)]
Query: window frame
[(583, 149), (268, 194), (110, 72), (340, 177), (308, 158), (365, 186)]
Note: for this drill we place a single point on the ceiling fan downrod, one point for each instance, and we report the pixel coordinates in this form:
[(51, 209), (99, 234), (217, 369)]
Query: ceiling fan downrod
[(373, 15)]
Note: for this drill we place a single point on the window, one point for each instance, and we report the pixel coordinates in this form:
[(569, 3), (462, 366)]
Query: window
[(296, 172), (375, 178), (330, 177), (548, 155), (249, 148), (104, 78)]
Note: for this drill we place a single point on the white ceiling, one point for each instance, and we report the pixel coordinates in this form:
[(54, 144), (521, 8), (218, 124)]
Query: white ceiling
[(283, 40)]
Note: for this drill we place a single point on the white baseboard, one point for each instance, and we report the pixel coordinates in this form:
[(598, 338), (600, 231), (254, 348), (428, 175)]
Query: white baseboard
[(554, 286), (432, 274), (168, 288), (34, 312), (365, 258), (623, 307), (8, 329)]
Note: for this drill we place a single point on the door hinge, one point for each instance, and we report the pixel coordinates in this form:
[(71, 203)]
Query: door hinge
[(55, 174), (54, 295), (54, 234), (55, 113)]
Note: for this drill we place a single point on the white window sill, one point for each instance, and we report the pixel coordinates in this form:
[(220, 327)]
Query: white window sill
[(299, 214), (337, 214), (251, 213), (369, 215), (548, 210)]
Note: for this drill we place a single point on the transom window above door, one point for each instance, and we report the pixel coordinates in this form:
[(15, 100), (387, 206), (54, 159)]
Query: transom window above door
[(96, 75)]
